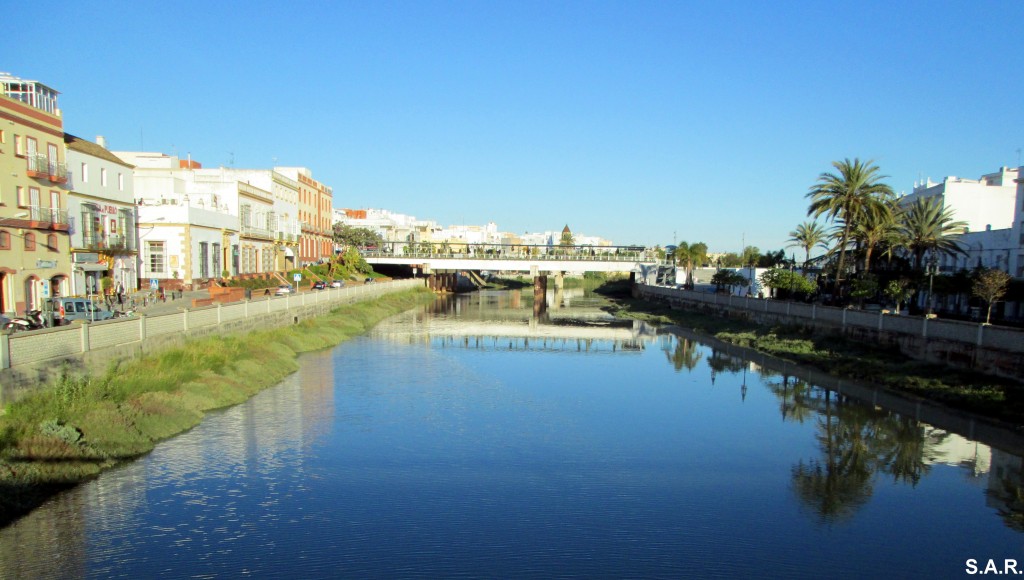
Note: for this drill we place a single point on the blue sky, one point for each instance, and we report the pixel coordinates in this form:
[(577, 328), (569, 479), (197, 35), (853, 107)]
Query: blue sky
[(636, 121)]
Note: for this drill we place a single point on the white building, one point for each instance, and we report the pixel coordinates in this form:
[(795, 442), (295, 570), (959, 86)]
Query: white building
[(196, 224), (984, 203), (102, 202)]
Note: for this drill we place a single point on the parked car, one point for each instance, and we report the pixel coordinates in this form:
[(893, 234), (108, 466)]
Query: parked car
[(319, 285), (77, 309), (337, 283), (284, 289)]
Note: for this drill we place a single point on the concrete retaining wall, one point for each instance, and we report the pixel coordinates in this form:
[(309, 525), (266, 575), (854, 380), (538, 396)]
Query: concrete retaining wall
[(32, 359), (991, 349)]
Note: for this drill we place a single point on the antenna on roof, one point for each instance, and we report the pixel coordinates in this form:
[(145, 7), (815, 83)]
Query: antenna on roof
[(232, 162)]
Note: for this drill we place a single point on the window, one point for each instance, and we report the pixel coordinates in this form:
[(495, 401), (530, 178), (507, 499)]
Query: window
[(204, 260), (103, 176), (51, 243), (120, 182), (216, 260), (20, 193), (5, 240), (92, 227), (3, 137), (30, 241), (18, 149), (85, 173), (33, 198), (155, 252)]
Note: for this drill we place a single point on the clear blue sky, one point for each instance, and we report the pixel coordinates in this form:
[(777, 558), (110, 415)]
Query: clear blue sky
[(630, 120)]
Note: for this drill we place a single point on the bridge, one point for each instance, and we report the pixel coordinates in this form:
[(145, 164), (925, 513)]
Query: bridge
[(441, 262)]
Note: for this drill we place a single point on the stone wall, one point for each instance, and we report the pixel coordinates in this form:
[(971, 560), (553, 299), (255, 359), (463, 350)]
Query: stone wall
[(992, 349)]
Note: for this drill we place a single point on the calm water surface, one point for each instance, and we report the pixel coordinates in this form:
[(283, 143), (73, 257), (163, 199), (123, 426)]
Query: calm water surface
[(474, 440)]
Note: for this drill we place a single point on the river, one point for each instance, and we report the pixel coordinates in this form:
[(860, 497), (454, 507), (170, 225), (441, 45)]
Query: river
[(474, 439)]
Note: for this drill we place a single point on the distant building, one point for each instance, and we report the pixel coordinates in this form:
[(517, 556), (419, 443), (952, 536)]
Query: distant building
[(315, 214)]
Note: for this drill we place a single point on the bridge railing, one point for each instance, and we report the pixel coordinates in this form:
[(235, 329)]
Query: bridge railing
[(513, 252)]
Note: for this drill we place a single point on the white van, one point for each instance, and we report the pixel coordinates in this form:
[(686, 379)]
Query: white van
[(77, 309)]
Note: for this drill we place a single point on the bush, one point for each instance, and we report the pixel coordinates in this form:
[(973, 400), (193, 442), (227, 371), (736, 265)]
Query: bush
[(66, 433)]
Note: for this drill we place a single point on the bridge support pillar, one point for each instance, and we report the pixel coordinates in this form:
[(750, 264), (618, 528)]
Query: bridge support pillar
[(540, 293), (559, 280)]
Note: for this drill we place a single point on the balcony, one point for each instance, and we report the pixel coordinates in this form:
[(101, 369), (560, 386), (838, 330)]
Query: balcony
[(49, 218), (112, 243), (42, 167), (254, 232)]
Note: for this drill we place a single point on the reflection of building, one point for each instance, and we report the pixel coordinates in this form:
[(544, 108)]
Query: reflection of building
[(102, 198), (951, 449), (34, 242)]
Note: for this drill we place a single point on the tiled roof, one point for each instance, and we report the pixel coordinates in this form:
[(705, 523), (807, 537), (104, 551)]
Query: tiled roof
[(90, 148)]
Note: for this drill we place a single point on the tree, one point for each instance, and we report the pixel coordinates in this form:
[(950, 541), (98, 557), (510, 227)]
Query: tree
[(724, 278), (771, 259), (691, 255), (358, 237), (567, 239), (877, 227), (751, 254), (991, 285), (899, 291), (848, 196), (808, 236), (927, 227), (783, 279)]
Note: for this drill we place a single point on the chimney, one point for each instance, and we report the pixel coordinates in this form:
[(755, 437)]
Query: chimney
[(101, 141)]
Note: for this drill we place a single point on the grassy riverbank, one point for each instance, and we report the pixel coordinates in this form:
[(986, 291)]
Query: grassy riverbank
[(71, 431), (976, 392)]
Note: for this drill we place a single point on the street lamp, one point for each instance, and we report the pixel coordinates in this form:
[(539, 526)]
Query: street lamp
[(933, 268)]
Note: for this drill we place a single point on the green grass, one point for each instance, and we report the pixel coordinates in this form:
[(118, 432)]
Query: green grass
[(75, 428), (972, 391)]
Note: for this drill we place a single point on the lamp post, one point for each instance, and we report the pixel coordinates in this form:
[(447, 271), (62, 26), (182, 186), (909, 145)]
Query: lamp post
[(792, 264), (933, 267)]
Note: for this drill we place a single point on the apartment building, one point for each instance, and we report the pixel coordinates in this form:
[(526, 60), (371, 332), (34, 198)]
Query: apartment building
[(101, 200), (315, 215), (34, 242), (187, 232)]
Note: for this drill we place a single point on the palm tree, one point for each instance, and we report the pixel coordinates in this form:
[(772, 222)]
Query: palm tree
[(927, 226), (690, 255), (808, 235), (877, 228), (848, 196)]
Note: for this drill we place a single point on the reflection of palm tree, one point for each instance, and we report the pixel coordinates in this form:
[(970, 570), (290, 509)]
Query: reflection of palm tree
[(1008, 496), (792, 399), (684, 355), (720, 361), (904, 446), (837, 486)]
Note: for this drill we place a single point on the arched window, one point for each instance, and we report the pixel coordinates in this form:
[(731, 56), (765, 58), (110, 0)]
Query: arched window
[(5, 240), (51, 243), (30, 241)]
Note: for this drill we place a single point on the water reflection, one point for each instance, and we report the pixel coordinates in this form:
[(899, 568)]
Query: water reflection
[(858, 440), (474, 439)]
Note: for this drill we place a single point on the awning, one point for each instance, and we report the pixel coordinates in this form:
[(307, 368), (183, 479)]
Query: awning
[(289, 253)]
